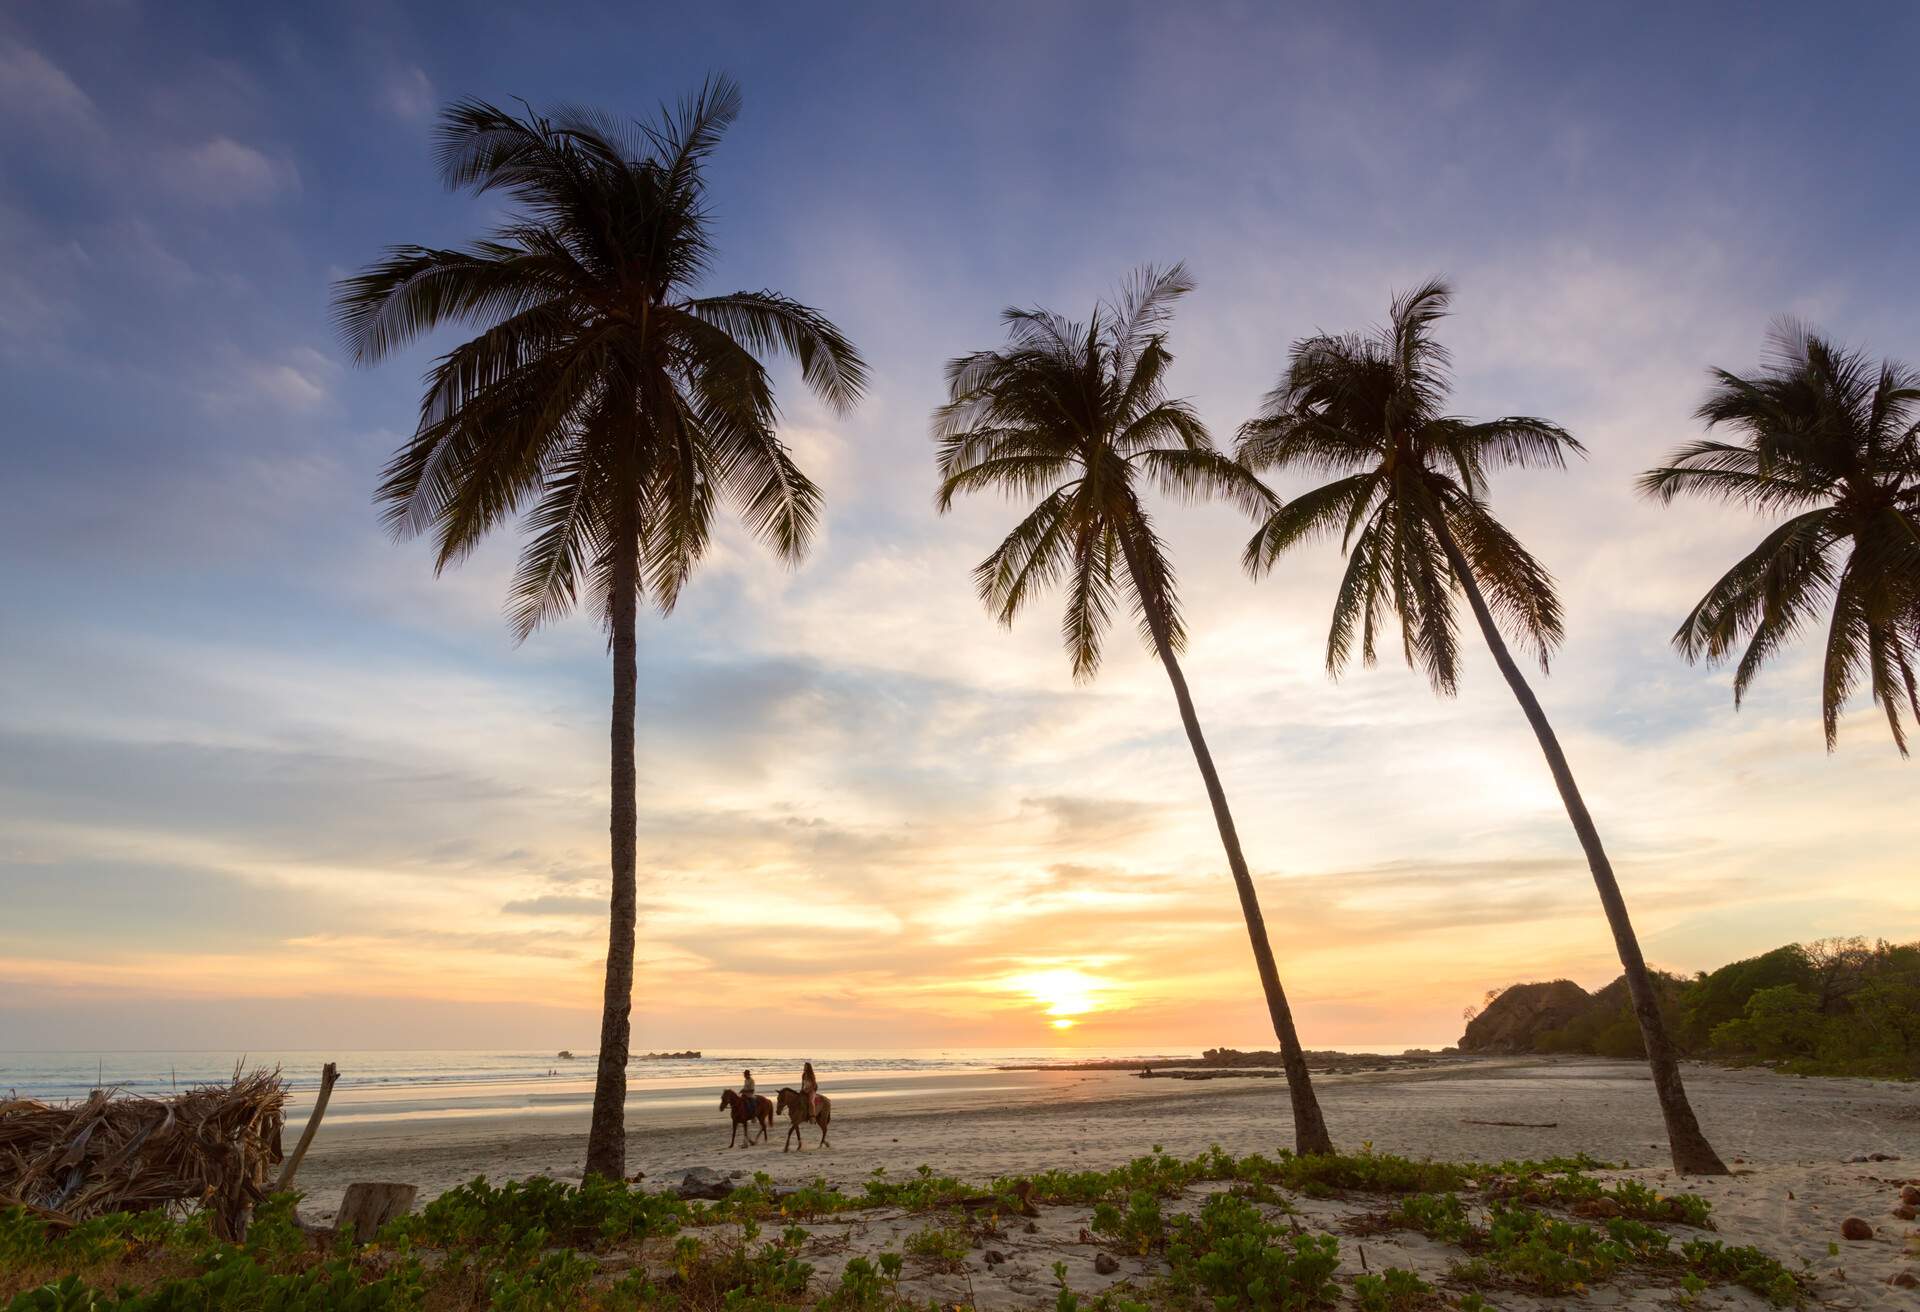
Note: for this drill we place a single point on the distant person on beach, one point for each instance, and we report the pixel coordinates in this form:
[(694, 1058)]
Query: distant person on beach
[(746, 1088), (810, 1086)]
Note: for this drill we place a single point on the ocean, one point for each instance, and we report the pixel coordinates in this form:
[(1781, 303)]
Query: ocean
[(401, 1085)]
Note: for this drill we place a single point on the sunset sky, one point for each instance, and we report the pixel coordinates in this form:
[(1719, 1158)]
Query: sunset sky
[(265, 781)]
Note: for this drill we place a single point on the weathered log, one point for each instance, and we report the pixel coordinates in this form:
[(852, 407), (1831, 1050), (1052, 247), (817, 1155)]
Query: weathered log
[(368, 1206), (328, 1074)]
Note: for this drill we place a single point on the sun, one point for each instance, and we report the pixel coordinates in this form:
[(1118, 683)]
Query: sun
[(1064, 994)]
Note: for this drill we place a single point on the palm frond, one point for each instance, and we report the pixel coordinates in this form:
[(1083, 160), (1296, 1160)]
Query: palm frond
[(769, 322)]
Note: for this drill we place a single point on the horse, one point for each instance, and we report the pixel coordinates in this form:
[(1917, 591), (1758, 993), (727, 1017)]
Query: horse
[(795, 1106), (761, 1112)]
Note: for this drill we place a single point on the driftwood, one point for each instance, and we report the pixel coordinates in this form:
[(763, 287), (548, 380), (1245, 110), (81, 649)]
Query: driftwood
[(366, 1207), (1518, 1125), (328, 1074), (210, 1147)]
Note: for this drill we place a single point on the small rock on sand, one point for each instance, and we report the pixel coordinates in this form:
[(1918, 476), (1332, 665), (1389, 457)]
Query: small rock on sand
[(1910, 1196), (1855, 1228), (705, 1182), (1904, 1280), (1106, 1264)]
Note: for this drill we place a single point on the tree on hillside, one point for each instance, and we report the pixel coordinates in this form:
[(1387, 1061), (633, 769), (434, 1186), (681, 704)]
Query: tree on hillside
[(602, 403), (1409, 503), (1077, 414), (1832, 441)]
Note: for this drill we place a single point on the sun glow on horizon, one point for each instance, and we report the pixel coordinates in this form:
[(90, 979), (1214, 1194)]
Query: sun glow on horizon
[(1065, 994)]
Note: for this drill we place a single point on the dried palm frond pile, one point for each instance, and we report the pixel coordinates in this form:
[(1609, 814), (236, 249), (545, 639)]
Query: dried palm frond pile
[(210, 1147)]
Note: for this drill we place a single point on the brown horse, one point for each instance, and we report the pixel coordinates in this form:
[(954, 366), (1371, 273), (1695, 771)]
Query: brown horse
[(795, 1107), (761, 1113)]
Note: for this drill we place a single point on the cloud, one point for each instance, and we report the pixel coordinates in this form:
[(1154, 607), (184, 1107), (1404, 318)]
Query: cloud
[(408, 93), (221, 172), (36, 91), (554, 904), (296, 381)]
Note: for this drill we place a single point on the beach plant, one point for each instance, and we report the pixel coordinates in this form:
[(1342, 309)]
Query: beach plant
[(1409, 504), (943, 1246), (1393, 1290), (603, 403), (1137, 1228), (1832, 441), (1078, 415), (1231, 1254)]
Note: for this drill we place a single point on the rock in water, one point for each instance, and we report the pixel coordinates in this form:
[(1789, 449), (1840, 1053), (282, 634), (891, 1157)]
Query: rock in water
[(1855, 1228)]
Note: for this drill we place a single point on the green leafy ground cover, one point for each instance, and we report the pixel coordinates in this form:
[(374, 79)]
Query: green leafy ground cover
[(1216, 1230)]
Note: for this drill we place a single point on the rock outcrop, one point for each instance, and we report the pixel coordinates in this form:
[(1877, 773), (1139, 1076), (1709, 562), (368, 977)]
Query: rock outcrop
[(1513, 1020)]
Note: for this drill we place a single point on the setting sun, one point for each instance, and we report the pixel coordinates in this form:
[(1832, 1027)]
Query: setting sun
[(1064, 994)]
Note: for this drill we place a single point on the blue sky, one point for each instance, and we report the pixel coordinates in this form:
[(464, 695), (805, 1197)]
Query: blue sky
[(259, 770)]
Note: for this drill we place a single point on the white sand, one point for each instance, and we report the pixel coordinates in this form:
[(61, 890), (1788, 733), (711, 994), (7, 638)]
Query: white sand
[(1792, 1138)]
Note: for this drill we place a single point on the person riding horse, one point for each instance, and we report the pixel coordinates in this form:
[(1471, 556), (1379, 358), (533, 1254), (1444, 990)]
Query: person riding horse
[(810, 1087), (748, 1109)]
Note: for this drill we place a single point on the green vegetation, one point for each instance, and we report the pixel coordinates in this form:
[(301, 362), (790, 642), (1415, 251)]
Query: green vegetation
[(1238, 1259), (1393, 1290), (542, 1246), (1545, 1254), (1832, 1007)]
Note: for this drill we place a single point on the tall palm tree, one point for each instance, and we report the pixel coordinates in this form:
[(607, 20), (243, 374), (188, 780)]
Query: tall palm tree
[(1827, 436), (1077, 414), (602, 402), (1410, 505)]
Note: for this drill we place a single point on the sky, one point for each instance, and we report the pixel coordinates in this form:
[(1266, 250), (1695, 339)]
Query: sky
[(266, 781)]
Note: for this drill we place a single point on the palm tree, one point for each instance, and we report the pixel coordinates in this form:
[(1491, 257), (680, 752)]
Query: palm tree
[(1835, 441), (1078, 415), (601, 402), (1409, 504)]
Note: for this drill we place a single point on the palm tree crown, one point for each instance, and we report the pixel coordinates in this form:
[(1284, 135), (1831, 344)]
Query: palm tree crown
[(1077, 414), (1370, 408), (599, 387), (1834, 442)]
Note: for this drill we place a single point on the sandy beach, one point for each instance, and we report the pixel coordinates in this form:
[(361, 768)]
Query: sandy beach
[(1792, 1142)]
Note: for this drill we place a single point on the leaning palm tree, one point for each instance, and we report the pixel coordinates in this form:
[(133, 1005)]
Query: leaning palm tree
[(602, 403), (1410, 505), (1836, 441), (1077, 414)]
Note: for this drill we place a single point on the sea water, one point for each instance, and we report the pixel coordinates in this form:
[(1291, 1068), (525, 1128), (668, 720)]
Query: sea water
[(401, 1085)]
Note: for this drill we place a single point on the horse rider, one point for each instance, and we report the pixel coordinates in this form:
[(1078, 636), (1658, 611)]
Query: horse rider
[(746, 1091), (810, 1089)]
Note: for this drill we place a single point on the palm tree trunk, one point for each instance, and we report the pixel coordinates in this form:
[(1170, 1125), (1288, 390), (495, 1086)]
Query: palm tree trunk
[(1309, 1127), (1692, 1154), (607, 1133)]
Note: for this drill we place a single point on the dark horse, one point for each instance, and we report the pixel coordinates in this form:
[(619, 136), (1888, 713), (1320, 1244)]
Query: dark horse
[(795, 1106), (761, 1113)]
